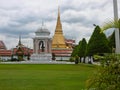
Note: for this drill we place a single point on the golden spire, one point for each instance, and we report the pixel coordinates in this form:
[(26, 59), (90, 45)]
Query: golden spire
[(58, 38), (58, 25)]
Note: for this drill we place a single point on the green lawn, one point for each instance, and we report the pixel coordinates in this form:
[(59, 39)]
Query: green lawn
[(44, 77)]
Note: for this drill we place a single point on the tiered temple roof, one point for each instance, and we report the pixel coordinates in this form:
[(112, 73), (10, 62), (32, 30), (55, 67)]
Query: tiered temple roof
[(5, 52), (2, 45)]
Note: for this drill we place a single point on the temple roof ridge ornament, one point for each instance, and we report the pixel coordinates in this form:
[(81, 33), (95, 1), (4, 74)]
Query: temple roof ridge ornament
[(19, 42), (43, 26), (42, 31)]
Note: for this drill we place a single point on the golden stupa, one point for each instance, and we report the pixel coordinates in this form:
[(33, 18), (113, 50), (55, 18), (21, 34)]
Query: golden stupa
[(58, 40)]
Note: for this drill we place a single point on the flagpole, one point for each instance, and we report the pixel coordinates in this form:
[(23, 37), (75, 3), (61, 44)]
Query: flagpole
[(117, 36)]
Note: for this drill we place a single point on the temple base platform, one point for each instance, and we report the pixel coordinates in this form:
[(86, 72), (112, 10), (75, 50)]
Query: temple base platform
[(41, 57)]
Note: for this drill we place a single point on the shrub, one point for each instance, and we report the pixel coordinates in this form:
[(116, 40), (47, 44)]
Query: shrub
[(108, 75), (97, 58), (72, 59), (14, 59), (76, 59)]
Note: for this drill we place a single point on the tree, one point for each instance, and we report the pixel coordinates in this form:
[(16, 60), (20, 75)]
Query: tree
[(76, 50), (74, 53), (82, 49), (108, 76), (98, 43), (114, 24), (112, 42)]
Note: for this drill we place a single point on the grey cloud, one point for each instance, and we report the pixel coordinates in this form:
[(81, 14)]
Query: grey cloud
[(25, 20), (13, 32), (83, 20)]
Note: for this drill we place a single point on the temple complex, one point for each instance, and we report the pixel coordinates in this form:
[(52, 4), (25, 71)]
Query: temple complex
[(45, 48), (20, 52), (61, 47)]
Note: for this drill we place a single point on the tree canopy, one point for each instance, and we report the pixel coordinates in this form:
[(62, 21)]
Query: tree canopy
[(112, 42), (98, 43), (75, 51), (82, 49)]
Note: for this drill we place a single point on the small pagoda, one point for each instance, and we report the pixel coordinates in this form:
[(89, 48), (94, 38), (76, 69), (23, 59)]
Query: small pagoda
[(42, 45)]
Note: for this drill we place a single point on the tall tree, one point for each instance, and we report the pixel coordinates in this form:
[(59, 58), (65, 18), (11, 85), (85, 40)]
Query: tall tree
[(75, 51), (98, 43), (82, 49)]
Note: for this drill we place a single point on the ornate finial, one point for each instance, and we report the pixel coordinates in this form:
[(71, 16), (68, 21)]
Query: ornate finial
[(58, 11), (58, 26), (42, 24), (58, 2)]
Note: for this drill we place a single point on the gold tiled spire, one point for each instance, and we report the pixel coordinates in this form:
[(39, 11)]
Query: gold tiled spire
[(58, 40)]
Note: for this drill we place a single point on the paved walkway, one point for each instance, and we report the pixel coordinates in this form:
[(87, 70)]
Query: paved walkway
[(38, 62)]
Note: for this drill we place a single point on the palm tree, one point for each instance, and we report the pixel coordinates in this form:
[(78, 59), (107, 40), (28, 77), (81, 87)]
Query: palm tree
[(111, 24), (114, 24)]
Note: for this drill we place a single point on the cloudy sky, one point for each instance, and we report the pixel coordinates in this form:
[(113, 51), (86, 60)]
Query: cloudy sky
[(25, 17)]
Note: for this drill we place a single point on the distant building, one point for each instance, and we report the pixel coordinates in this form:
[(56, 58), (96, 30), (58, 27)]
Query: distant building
[(7, 54), (4, 53), (61, 47), (70, 43), (2, 45), (42, 45)]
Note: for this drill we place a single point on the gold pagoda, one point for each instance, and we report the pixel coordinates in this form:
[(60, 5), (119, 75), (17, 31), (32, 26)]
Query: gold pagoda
[(61, 47), (58, 40)]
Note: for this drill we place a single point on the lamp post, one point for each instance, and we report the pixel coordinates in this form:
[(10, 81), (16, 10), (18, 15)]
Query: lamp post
[(117, 35)]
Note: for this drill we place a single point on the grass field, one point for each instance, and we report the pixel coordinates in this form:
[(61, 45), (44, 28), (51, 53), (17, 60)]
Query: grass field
[(44, 77)]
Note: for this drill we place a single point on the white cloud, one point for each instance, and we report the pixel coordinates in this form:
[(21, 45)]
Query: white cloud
[(77, 16)]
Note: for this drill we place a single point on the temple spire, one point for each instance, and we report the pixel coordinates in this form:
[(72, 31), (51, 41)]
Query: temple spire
[(58, 25), (59, 12), (19, 43), (58, 39)]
